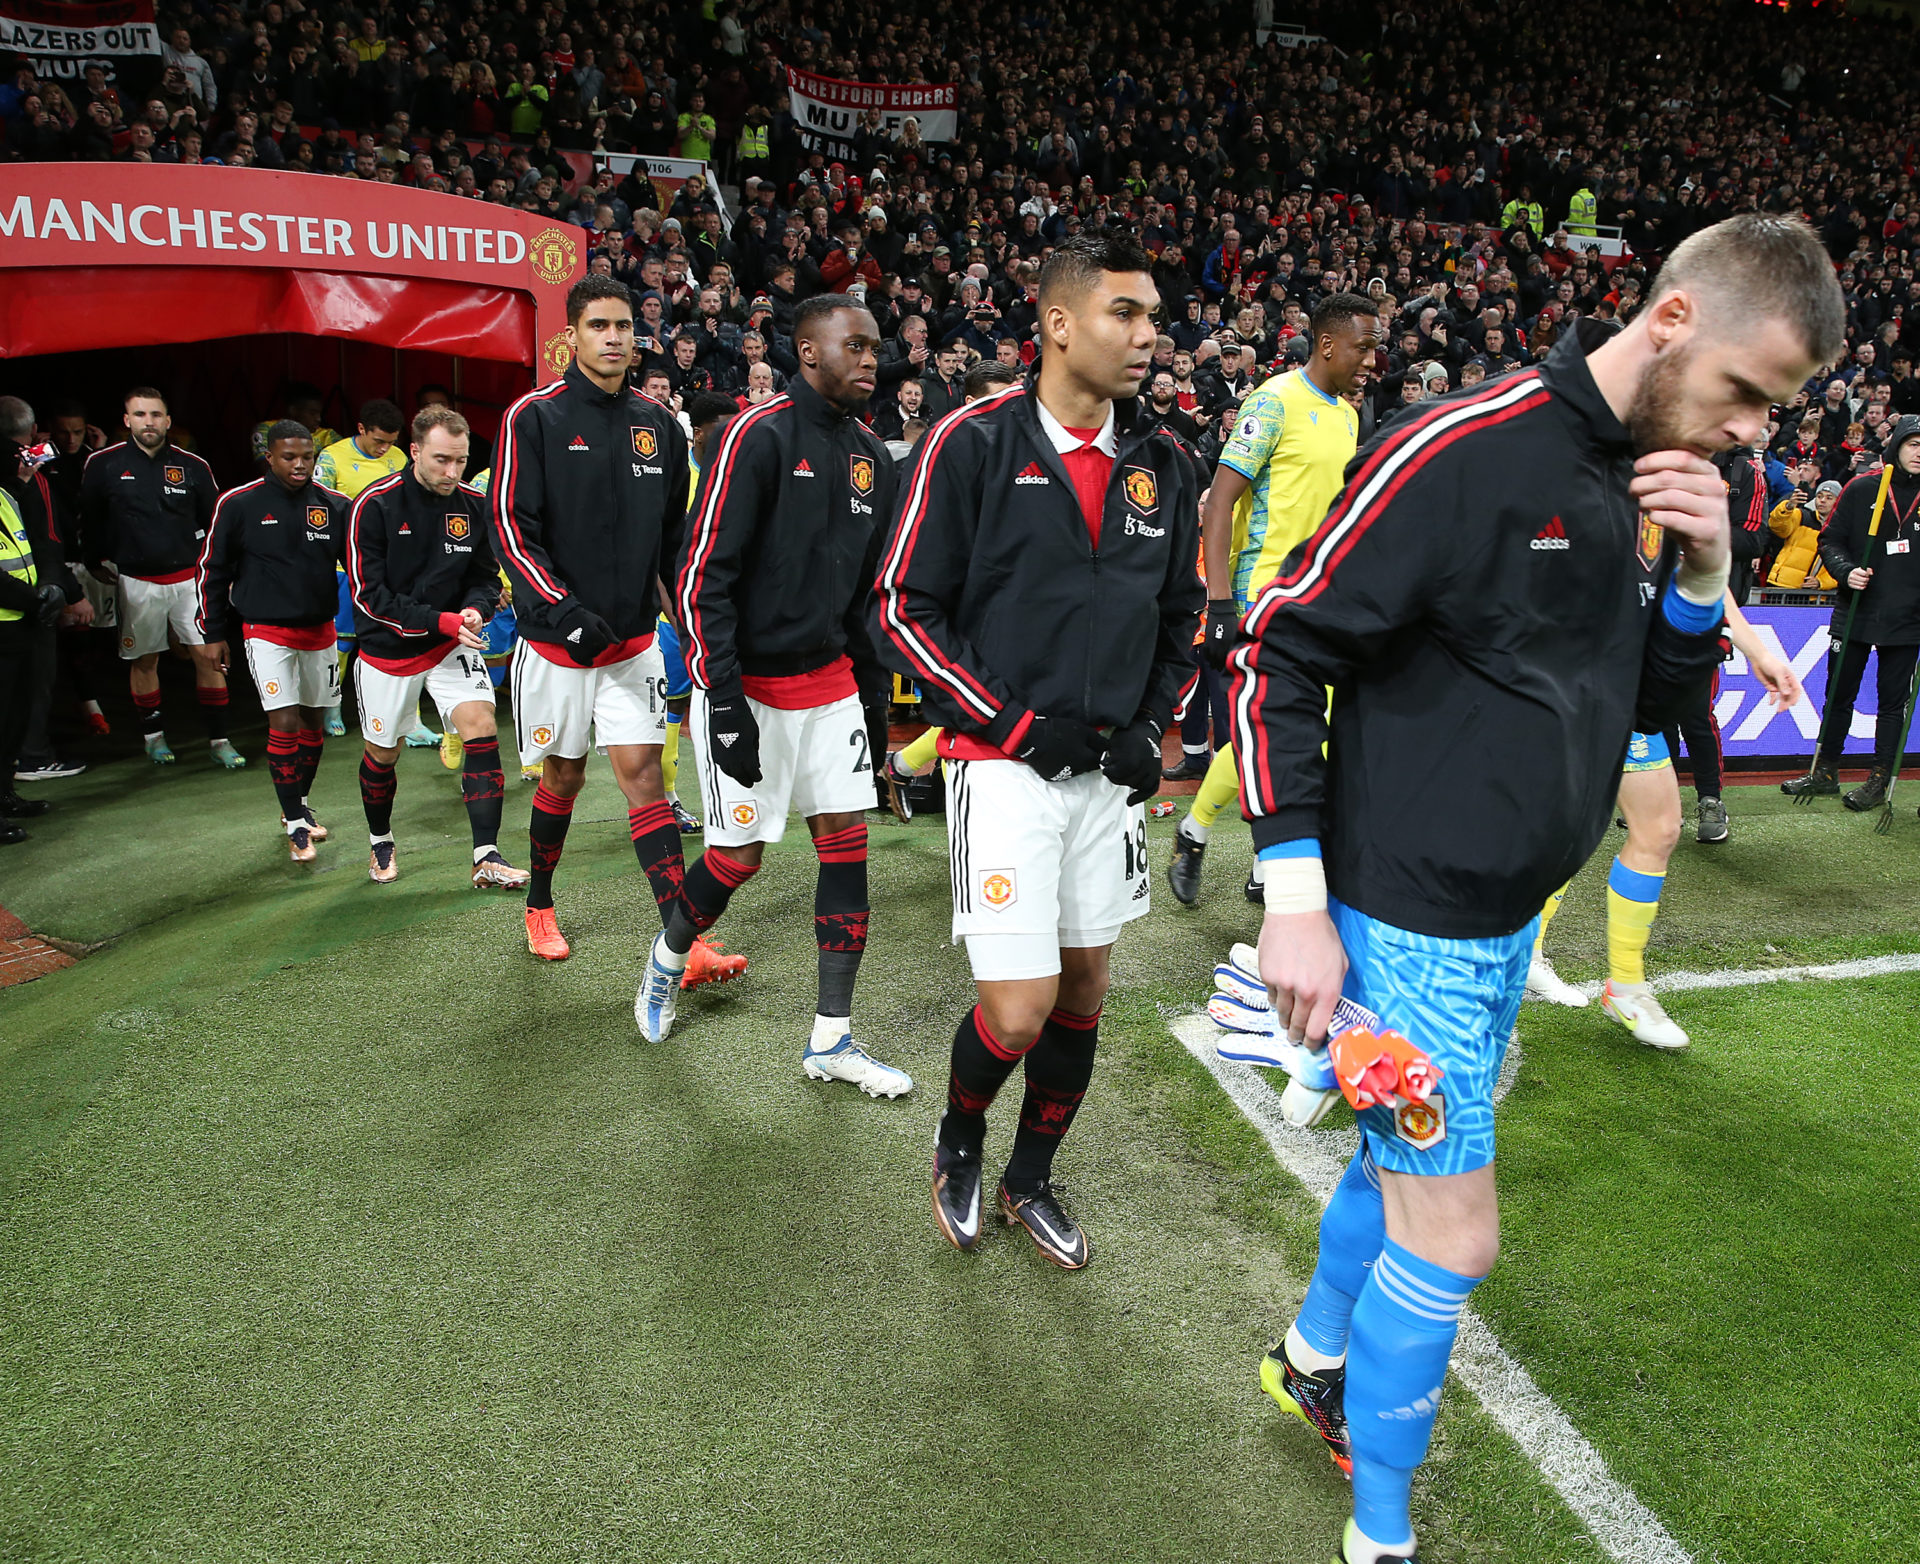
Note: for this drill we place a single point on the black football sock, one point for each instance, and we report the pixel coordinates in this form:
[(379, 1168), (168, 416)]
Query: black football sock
[(547, 832), (312, 742), (980, 1067), (704, 894), (1059, 1066), (213, 710), (656, 843), (283, 766), (840, 912), (376, 797), (483, 789), (147, 703)]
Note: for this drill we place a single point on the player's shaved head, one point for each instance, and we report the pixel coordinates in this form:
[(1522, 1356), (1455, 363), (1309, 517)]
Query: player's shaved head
[(810, 320), (837, 342)]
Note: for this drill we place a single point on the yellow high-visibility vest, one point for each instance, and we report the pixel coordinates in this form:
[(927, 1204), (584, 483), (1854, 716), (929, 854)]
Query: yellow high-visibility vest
[(16, 553)]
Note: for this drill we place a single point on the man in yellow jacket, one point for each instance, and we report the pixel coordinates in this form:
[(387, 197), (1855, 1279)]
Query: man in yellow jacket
[(1799, 524)]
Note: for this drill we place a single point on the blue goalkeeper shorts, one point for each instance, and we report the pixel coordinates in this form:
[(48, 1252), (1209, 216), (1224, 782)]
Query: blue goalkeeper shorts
[(1646, 752), (668, 640), (1455, 999)]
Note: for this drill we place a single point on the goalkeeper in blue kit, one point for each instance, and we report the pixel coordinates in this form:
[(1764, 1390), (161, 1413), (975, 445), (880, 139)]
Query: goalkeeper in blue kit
[(1485, 681)]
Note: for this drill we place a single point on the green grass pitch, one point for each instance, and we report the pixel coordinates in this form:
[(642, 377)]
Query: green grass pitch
[(334, 1226)]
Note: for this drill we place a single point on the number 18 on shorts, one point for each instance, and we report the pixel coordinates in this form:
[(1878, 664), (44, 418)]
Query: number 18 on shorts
[(1040, 866)]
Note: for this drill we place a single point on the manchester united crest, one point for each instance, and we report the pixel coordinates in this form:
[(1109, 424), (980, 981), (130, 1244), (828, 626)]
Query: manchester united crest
[(458, 527), (1142, 492), (556, 355), (1652, 536), (860, 473), (176, 475), (554, 256), (645, 442), (317, 516)]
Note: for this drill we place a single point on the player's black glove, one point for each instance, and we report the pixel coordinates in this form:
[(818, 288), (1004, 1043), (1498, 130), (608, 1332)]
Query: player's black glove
[(1132, 759), (733, 738), (584, 634), (1059, 748), (1223, 624), (48, 603), (873, 706)]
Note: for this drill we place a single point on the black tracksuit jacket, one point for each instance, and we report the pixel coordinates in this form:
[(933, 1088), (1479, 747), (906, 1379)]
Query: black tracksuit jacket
[(148, 514), (1890, 605), (993, 598), (413, 555), (1484, 600), (269, 558), (780, 551), (589, 498)]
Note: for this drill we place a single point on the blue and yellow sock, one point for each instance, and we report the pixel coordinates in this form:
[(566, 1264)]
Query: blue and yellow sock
[(1403, 1328), (1351, 1233), (1633, 902), (670, 755), (1546, 915)]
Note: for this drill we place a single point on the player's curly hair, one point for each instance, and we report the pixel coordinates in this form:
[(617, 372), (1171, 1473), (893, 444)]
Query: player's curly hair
[(589, 288)]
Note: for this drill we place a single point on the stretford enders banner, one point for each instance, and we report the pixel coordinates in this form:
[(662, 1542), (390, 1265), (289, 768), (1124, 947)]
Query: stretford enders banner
[(1749, 728), (827, 111), (63, 224)]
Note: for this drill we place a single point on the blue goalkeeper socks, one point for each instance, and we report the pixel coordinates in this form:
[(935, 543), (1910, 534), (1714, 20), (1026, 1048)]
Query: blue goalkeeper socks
[(1403, 1329), (1351, 1233)]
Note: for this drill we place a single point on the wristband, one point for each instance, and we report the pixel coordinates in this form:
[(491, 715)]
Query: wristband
[(1687, 615), (450, 625), (1702, 587), (1293, 885)]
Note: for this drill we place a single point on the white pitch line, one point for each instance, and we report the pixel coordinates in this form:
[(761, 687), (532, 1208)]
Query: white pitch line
[(1626, 1529), (1745, 977)]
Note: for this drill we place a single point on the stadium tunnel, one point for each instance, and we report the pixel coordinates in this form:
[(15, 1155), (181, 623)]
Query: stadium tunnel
[(223, 287)]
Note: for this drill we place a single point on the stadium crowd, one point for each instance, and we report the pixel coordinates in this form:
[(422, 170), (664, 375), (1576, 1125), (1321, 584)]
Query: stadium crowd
[(1461, 167), (1457, 164)]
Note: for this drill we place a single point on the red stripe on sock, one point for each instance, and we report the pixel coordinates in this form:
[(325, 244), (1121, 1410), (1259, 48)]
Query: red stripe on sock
[(279, 743), (993, 1044), (150, 701), (652, 817), (730, 872), (549, 802), (208, 695), (848, 846), (384, 766), (310, 736), (1079, 1023)]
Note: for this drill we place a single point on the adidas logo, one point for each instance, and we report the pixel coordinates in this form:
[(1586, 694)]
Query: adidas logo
[(1031, 473), (1552, 536), (574, 639), (803, 470), (577, 443)]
